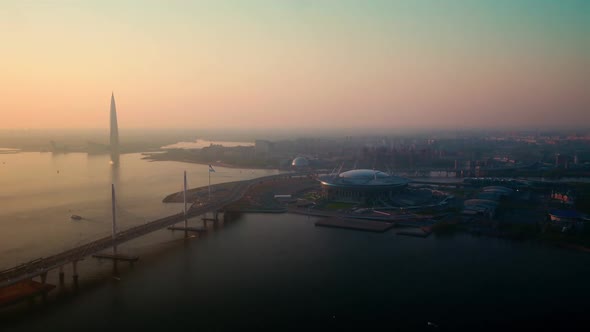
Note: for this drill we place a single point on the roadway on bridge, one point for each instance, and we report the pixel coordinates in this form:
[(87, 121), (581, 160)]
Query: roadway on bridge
[(43, 265)]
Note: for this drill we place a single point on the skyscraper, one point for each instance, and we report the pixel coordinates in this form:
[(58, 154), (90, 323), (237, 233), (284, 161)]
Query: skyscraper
[(114, 141)]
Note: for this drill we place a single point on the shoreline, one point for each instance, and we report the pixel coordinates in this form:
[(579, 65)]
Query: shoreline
[(261, 201), (102, 275), (148, 157)]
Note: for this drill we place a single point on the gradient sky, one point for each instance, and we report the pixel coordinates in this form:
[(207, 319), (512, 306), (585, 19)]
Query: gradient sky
[(297, 63)]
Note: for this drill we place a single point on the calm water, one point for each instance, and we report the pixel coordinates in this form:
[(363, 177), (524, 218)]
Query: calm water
[(280, 272), (40, 191), (267, 271)]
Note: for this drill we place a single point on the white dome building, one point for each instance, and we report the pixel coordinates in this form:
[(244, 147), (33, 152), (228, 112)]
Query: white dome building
[(361, 185), (300, 162)]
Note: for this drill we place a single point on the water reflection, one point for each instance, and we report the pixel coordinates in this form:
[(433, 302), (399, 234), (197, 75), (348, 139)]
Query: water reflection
[(274, 271), (115, 158), (115, 173), (36, 200)]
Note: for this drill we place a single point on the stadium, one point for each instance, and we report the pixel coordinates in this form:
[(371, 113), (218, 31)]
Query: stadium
[(361, 186)]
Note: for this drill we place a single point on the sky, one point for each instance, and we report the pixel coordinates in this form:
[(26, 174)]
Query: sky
[(295, 63)]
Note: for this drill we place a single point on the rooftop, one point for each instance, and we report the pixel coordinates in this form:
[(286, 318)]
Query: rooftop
[(364, 178)]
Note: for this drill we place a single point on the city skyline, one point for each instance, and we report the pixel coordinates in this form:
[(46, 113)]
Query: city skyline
[(293, 64)]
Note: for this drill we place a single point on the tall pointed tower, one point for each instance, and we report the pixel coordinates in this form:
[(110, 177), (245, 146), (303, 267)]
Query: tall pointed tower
[(114, 141)]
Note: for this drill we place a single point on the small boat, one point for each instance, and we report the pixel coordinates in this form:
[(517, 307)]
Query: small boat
[(76, 217)]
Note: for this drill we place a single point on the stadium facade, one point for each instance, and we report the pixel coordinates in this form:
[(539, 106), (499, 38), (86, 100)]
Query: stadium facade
[(361, 186)]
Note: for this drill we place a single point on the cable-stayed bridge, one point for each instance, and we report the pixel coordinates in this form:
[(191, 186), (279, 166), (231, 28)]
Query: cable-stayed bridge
[(41, 266)]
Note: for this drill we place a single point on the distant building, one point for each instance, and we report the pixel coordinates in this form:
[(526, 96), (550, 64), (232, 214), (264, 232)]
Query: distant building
[(114, 137), (567, 220), (300, 163), (498, 191), (561, 160), (262, 147), (486, 201), (567, 216), (480, 207), (566, 197)]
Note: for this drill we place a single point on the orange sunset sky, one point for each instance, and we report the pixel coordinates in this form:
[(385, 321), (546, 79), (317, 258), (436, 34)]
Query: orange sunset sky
[(257, 64)]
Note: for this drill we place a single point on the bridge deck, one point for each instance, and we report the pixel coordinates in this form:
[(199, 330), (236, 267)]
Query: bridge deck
[(189, 229), (41, 265)]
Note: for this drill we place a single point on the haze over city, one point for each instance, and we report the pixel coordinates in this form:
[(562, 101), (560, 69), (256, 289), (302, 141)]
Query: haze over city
[(299, 165), (293, 64)]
